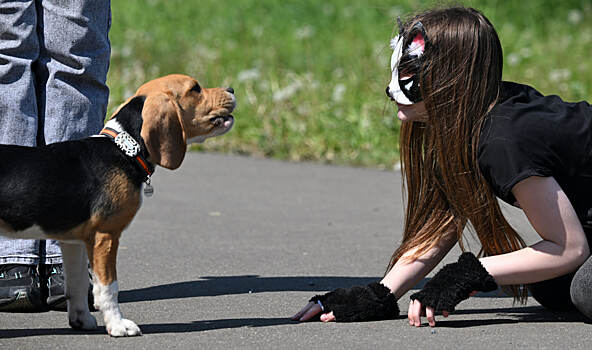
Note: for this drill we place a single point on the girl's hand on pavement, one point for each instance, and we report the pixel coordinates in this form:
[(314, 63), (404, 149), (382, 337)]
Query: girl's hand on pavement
[(416, 310), (310, 311)]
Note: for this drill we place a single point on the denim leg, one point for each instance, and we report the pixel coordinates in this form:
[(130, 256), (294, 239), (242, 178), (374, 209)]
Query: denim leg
[(581, 289), (74, 60), (19, 251), (19, 49), (50, 252), (72, 69), (66, 58)]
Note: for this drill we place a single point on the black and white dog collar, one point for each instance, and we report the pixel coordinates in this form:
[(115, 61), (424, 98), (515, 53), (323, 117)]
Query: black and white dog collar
[(131, 148)]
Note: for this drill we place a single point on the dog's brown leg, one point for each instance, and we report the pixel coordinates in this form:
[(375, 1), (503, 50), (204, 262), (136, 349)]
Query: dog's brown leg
[(105, 289), (76, 273)]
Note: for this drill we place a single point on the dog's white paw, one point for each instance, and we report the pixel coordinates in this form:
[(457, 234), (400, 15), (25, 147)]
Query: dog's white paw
[(123, 328), (81, 320)]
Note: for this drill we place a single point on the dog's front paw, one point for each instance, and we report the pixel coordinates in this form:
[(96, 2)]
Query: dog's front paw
[(123, 328), (82, 320)]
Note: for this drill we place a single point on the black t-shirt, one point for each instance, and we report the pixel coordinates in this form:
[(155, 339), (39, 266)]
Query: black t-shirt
[(528, 134)]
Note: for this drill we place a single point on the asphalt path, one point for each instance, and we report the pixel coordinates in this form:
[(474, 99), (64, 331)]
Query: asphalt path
[(230, 247)]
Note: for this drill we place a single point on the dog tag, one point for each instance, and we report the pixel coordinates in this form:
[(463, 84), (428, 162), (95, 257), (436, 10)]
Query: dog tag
[(148, 189)]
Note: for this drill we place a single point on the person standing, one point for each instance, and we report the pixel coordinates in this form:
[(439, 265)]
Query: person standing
[(54, 58)]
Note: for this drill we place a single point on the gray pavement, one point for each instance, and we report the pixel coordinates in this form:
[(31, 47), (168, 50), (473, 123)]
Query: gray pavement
[(230, 247)]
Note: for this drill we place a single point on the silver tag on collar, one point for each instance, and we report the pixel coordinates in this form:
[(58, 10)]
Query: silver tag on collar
[(127, 144), (148, 189)]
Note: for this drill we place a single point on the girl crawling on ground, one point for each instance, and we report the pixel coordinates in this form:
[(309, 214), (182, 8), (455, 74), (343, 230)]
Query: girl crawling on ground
[(467, 137)]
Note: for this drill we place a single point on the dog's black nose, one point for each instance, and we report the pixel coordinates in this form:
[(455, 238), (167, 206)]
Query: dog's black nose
[(229, 89), (388, 92)]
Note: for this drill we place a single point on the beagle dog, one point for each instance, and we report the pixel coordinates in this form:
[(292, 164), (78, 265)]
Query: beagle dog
[(84, 193)]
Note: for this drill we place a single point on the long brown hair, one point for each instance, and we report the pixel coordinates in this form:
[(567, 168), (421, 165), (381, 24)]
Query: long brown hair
[(460, 82)]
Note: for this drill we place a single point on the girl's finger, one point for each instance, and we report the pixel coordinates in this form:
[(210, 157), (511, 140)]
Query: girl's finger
[(416, 313), (430, 316), (301, 312), (328, 317), (311, 312)]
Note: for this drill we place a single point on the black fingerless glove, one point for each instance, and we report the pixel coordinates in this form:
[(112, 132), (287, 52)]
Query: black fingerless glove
[(455, 283), (373, 302)]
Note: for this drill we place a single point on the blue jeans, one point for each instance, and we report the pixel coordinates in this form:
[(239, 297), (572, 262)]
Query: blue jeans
[(54, 57)]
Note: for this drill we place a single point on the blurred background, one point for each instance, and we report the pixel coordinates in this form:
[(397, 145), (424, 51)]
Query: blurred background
[(310, 75)]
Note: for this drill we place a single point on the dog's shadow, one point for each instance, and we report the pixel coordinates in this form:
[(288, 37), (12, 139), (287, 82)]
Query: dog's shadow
[(154, 328)]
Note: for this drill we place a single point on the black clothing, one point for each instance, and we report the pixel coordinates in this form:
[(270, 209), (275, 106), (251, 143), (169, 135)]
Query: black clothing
[(528, 134)]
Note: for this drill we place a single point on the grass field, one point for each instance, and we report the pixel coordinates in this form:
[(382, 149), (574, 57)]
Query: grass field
[(310, 75)]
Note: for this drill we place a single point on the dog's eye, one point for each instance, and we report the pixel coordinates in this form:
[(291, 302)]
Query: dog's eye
[(196, 88)]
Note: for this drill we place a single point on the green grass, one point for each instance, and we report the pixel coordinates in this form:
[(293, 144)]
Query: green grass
[(310, 75)]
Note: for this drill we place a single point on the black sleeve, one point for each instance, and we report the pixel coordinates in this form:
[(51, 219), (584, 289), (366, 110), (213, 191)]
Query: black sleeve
[(528, 134), (505, 162)]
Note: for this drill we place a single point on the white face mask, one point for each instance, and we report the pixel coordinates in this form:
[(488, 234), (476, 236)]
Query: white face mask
[(394, 88), (406, 91)]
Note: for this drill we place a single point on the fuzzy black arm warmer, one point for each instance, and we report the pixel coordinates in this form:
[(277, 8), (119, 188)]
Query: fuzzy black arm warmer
[(455, 283), (360, 303)]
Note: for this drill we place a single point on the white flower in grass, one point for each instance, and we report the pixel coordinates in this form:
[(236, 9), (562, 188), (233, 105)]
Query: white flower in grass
[(205, 52), (304, 32), (526, 52), (338, 92), (299, 82), (575, 16), (558, 75), (513, 59), (126, 51), (364, 123), (258, 31), (288, 91), (248, 75), (338, 72)]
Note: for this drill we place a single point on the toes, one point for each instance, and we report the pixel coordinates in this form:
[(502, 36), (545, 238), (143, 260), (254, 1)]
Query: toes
[(123, 328)]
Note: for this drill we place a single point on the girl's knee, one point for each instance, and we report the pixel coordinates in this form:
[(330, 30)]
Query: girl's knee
[(581, 289)]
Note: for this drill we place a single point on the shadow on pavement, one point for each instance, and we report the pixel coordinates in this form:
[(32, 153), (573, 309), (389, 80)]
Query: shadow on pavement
[(528, 314), (532, 314), (519, 314), (34, 332), (155, 328), (208, 325), (228, 285)]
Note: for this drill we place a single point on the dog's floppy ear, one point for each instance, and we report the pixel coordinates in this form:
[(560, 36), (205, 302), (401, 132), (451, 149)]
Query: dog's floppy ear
[(130, 108), (129, 115), (162, 130)]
